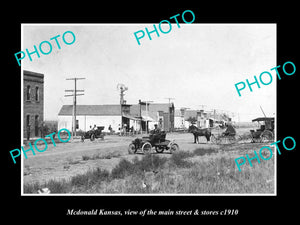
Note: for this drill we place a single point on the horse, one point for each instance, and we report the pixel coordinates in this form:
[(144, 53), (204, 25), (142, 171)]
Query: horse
[(199, 132)]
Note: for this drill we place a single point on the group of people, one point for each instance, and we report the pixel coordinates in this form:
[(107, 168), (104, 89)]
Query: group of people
[(92, 129), (125, 129)]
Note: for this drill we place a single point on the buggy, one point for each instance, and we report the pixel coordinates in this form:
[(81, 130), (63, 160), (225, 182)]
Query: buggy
[(227, 137), (266, 131), (156, 140), (93, 134), (224, 138)]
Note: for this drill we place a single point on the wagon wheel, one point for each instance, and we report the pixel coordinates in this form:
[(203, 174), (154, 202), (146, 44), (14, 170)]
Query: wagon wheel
[(256, 140), (231, 139), (173, 148), (215, 140), (131, 149), (240, 139), (146, 148), (267, 136), (225, 140), (246, 138)]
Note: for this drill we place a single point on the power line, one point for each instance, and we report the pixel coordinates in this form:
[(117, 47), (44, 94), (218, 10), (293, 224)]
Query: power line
[(74, 95)]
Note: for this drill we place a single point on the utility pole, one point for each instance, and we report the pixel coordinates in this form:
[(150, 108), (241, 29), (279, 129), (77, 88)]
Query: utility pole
[(74, 94), (147, 115), (169, 114), (122, 88)]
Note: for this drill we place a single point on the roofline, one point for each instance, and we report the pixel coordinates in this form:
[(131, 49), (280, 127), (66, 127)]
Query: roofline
[(263, 119), (33, 74), (88, 114)]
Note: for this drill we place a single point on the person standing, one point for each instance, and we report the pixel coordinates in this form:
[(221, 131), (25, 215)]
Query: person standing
[(42, 129), (110, 129), (119, 128), (125, 129)]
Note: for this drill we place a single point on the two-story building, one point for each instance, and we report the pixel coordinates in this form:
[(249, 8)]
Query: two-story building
[(33, 102)]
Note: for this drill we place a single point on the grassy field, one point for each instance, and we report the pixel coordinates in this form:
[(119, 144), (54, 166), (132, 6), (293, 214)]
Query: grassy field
[(204, 170)]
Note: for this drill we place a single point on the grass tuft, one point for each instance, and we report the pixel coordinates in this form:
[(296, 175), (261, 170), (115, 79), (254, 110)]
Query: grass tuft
[(176, 174), (178, 159)]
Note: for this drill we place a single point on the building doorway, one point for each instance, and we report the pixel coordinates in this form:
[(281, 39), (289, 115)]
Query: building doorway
[(36, 125)]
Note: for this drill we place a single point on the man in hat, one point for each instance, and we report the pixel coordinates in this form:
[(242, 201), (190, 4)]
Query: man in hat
[(230, 131), (155, 134), (156, 130)]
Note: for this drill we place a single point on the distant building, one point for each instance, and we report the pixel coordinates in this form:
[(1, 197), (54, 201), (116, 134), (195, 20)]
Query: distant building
[(202, 119), (137, 116), (33, 102), (162, 114)]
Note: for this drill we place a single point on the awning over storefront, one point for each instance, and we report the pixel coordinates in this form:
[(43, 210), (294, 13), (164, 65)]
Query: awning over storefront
[(147, 118), (131, 117)]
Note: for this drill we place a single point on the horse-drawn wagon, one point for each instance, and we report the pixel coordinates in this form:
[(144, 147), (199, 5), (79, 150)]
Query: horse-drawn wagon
[(227, 137), (266, 131), (156, 140), (224, 138)]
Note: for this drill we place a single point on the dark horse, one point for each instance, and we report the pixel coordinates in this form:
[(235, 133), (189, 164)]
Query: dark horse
[(199, 132)]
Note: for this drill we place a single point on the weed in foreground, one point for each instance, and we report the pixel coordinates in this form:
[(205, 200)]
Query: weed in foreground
[(138, 166), (218, 175), (55, 186), (204, 151), (178, 159)]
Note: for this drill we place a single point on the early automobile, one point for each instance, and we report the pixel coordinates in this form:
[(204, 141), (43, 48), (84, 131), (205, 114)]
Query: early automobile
[(154, 140), (93, 134)]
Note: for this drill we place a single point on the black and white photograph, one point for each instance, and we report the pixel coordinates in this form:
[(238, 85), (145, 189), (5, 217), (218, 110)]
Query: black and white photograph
[(178, 113), (149, 115)]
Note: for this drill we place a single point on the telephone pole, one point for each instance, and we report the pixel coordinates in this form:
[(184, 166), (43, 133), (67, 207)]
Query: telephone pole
[(169, 114), (74, 94)]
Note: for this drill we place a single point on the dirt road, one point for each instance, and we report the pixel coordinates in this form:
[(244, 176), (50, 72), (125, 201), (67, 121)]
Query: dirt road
[(68, 159)]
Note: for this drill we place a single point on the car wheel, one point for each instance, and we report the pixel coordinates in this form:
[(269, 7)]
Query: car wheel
[(131, 149), (159, 149), (92, 138), (173, 148), (146, 148)]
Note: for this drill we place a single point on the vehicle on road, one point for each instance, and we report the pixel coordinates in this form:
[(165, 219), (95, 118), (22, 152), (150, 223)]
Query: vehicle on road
[(266, 131), (93, 134), (154, 140)]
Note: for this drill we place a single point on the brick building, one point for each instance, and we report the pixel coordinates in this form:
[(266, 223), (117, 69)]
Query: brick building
[(33, 102)]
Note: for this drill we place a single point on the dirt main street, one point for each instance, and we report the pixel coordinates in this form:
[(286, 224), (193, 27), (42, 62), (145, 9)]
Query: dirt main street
[(68, 159)]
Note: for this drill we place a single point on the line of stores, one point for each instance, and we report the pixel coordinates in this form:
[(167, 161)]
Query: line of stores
[(139, 117)]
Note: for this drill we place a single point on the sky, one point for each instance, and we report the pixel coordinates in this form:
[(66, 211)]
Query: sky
[(196, 65)]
